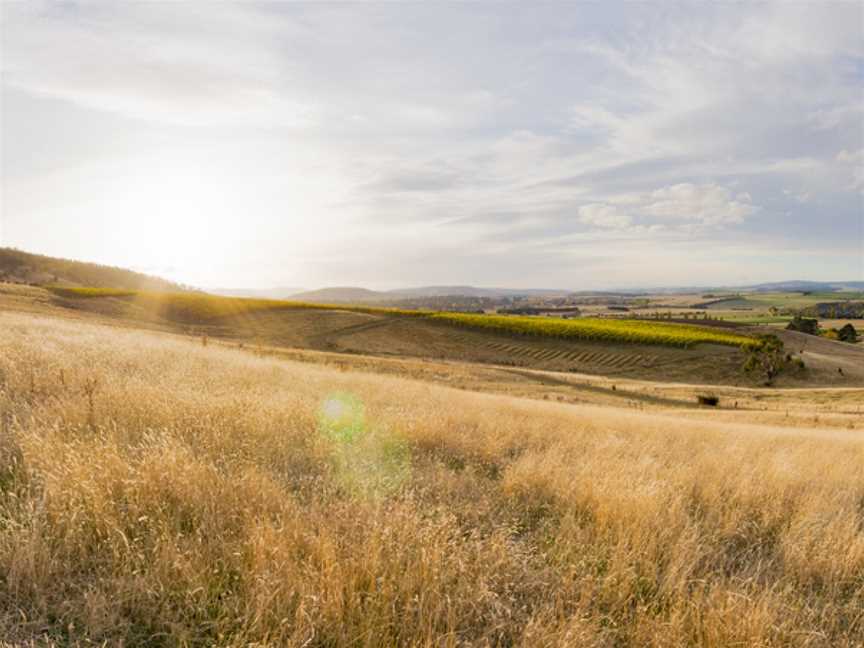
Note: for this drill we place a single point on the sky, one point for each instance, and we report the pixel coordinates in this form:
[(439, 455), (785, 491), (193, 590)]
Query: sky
[(560, 145)]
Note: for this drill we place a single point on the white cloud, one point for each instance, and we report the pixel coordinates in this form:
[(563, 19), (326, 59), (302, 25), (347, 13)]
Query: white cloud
[(851, 157), (855, 161), (607, 216), (679, 206), (829, 118), (707, 204), (177, 63), (343, 131), (798, 196)]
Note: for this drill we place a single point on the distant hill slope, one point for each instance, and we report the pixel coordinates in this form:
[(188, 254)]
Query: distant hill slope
[(340, 295), (344, 294), (470, 291), (280, 292), (22, 267), (808, 286)]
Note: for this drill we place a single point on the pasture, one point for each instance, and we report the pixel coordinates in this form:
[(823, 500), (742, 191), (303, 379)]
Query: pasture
[(156, 491)]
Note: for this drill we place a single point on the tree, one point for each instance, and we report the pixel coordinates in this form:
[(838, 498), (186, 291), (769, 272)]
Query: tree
[(803, 325), (766, 358), (847, 334)]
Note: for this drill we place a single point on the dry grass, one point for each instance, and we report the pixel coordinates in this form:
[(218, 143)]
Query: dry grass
[(157, 492), (200, 307)]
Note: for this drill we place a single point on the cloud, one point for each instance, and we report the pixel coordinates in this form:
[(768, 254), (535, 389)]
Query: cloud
[(178, 64), (428, 178), (851, 157), (606, 216), (854, 161), (798, 196), (681, 206), (705, 204), (368, 139)]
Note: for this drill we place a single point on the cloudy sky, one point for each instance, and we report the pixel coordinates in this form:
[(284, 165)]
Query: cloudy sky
[(548, 145)]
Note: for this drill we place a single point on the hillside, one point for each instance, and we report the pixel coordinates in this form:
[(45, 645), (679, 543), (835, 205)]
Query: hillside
[(471, 291), (25, 268), (352, 294), (156, 491), (383, 333), (340, 294), (279, 292), (807, 286)]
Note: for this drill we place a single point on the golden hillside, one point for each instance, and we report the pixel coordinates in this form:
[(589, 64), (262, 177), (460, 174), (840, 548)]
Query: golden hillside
[(17, 266), (156, 491)]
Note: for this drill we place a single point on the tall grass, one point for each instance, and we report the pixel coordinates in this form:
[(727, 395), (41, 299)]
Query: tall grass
[(157, 492)]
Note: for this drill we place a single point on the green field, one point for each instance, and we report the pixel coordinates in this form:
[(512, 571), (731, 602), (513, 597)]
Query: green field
[(737, 303), (757, 319), (800, 300)]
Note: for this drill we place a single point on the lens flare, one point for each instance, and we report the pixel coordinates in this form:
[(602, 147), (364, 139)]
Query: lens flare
[(342, 417), (368, 460)]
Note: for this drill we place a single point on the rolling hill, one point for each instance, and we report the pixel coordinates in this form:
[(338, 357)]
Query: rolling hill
[(354, 294), (17, 266), (488, 340), (157, 491), (232, 472), (340, 295), (278, 292)]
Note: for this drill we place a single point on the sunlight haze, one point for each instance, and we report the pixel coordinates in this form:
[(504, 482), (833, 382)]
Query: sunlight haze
[(564, 146)]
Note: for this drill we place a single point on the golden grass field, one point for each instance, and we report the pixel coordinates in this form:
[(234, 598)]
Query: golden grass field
[(159, 492)]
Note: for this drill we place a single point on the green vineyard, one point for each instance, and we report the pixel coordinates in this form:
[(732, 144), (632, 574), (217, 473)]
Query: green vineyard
[(601, 330)]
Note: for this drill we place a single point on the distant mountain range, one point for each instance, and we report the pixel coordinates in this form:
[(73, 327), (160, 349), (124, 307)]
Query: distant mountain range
[(280, 292), (22, 267), (353, 294), (797, 285), (808, 286), (345, 294)]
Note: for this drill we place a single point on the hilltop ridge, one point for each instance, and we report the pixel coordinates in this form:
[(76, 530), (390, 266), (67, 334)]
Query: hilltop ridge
[(17, 266)]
